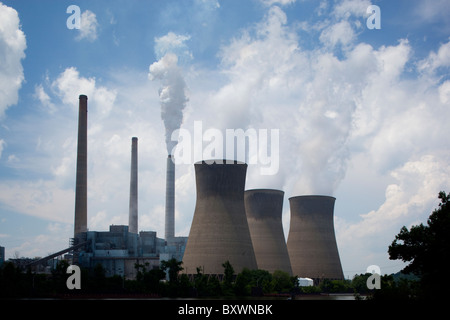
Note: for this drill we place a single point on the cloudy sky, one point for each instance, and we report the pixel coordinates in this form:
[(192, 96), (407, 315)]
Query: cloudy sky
[(362, 113)]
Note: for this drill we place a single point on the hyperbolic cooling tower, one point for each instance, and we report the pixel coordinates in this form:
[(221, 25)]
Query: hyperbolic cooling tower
[(133, 210), (219, 230), (170, 199), (80, 224), (264, 210), (311, 242)]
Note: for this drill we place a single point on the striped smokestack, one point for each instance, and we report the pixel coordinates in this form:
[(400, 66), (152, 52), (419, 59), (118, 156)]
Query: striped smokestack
[(133, 213), (80, 224), (170, 198)]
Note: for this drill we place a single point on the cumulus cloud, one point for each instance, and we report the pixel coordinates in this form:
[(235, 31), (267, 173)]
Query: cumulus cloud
[(12, 51), (88, 26), (69, 85)]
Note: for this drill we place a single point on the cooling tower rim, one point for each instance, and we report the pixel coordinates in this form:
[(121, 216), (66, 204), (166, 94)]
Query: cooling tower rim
[(214, 161), (264, 190), (311, 196)]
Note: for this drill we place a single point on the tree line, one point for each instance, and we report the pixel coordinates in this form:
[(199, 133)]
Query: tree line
[(152, 282)]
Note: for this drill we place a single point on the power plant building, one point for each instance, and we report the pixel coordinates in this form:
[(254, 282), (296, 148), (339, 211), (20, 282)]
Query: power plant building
[(219, 230), (264, 210), (311, 241), (120, 248)]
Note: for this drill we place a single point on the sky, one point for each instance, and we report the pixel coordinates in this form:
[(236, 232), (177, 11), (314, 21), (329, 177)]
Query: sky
[(362, 113)]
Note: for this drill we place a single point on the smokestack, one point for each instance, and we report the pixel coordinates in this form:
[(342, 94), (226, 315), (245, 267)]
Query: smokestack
[(219, 230), (263, 208), (81, 180), (311, 242), (133, 212), (170, 199)]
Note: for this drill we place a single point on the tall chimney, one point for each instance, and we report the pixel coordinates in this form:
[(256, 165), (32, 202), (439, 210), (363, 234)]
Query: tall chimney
[(170, 199), (81, 182), (133, 213)]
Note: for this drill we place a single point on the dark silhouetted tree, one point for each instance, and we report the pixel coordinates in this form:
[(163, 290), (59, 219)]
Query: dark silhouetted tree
[(427, 249)]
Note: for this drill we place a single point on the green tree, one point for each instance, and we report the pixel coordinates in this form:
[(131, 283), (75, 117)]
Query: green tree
[(427, 248), (242, 286), (228, 275), (282, 281), (174, 267)]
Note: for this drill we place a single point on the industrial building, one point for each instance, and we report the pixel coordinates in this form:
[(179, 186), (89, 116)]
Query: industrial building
[(120, 248), (219, 230), (264, 210)]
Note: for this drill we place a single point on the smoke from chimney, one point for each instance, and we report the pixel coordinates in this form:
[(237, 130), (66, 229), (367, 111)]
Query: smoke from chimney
[(172, 94)]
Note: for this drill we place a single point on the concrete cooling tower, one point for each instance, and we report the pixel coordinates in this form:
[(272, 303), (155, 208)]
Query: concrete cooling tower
[(80, 224), (264, 210), (311, 241), (219, 230)]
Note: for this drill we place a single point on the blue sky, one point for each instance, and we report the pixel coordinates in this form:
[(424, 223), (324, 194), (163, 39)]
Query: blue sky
[(362, 113)]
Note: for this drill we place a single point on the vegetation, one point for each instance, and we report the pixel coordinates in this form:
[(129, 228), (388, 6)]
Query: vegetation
[(152, 283), (427, 248)]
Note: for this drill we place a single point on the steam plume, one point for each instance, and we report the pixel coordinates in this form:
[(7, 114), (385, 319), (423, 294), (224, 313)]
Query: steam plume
[(172, 94)]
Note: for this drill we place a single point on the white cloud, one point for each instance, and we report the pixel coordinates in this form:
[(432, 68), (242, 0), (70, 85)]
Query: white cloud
[(69, 85), (44, 98), (408, 201), (280, 2), (339, 33), (436, 60), (173, 43), (347, 8), (88, 26), (12, 51)]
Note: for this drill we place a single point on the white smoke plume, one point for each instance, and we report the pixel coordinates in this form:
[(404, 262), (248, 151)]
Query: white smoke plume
[(172, 94)]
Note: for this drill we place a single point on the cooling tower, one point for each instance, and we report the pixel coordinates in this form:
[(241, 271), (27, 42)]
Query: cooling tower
[(264, 209), (80, 224), (219, 230), (311, 241), (133, 210), (170, 199)]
